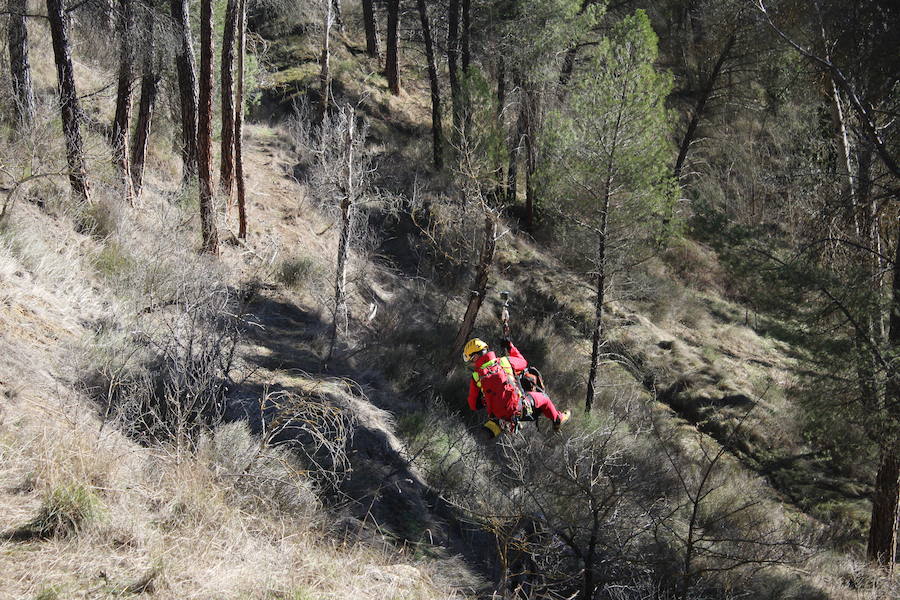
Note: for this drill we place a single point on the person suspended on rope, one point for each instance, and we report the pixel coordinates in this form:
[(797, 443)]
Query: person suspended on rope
[(495, 381)]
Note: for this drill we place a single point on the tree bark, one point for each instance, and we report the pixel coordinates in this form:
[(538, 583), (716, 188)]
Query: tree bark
[(124, 93), (531, 110), (187, 88), (338, 16), (340, 282), (476, 297), (515, 146), (465, 43), (392, 60), (453, 66), (370, 23), (68, 99), (226, 154), (146, 106), (19, 66), (204, 133), (882, 546), (239, 123), (436, 126)]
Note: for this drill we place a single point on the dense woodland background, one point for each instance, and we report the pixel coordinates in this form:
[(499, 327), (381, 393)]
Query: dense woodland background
[(243, 242)]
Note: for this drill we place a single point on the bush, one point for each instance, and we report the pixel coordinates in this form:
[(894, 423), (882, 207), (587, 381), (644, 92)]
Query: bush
[(113, 260), (294, 271), (261, 477)]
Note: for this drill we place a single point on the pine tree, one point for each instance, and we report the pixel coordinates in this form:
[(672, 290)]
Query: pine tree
[(607, 153)]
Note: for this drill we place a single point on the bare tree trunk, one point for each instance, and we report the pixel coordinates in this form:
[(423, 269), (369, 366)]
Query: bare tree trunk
[(453, 66), (476, 298), (187, 88), (392, 60), (239, 123), (146, 106), (20, 68), (68, 99), (325, 100), (226, 155), (124, 93), (204, 132), (340, 282), (370, 22), (436, 127)]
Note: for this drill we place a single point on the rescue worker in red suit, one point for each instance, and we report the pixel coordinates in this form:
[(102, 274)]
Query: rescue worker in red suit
[(508, 402)]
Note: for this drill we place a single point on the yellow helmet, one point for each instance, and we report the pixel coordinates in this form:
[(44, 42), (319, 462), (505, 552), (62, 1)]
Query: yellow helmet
[(473, 347)]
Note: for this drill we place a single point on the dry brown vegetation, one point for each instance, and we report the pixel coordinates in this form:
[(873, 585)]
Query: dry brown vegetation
[(89, 296)]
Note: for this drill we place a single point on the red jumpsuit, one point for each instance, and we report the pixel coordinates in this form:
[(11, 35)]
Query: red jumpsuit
[(507, 406)]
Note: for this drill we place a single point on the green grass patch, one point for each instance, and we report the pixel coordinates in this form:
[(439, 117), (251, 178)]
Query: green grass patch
[(113, 261), (64, 512)]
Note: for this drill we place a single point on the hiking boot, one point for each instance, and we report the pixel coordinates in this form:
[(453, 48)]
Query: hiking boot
[(562, 418)]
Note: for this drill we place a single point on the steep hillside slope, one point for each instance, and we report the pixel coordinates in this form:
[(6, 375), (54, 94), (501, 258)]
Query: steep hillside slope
[(366, 477)]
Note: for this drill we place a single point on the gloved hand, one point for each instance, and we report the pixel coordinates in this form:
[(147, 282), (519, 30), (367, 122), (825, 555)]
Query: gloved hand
[(506, 344)]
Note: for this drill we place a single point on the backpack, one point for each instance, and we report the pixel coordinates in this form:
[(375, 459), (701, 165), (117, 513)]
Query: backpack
[(531, 380), (497, 379)]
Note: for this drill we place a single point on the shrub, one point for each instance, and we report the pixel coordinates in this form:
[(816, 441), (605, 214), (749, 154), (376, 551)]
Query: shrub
[(260, 476), (65, 510), (113, 260), (294, 271), (99, 219)]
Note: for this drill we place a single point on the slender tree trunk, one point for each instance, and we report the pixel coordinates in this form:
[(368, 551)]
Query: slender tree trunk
[(512, 172), (20, 68), (124, 93), (436, 127), (204, 132), (239, 123), (597, 336), (340, 283), (338, 17), (226, 155), (466, 36), (392, 61), (532, 110), (453, 66), (370, 22), (466, 53), (708, 87), (500, 192), (68, 100), (146, 106), (476, 298), (187, 88), (325, 100)]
